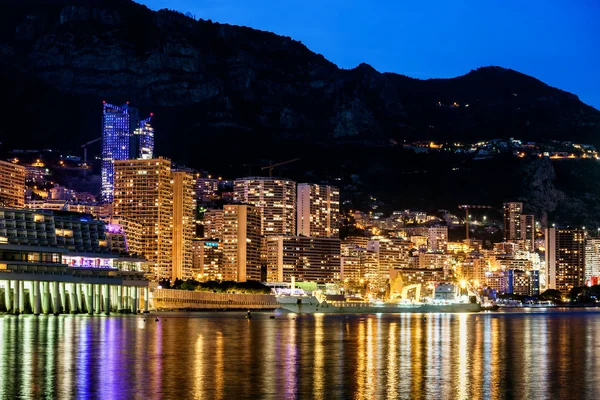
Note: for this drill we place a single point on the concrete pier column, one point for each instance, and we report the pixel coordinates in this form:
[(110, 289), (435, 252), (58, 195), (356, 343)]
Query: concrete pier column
[(7, 296), (125, 299), (113, 298), (97, 294), (37, 298), (78, 297), (55, 298), (146, 300), (16, 296), (21, 297), (73, 308), (130, 299), (31, 295), (120, 299), (63, 297), (89, 298), (107, 299), (45, 295), (135, 300)]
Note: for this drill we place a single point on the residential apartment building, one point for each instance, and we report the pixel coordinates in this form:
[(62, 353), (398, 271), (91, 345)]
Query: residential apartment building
[(565, 259), (312, 259), (437, 238), (275, 198), (512, 220), (143, 194), (318, 210), (242, 243), (184, 223), (12, 185)]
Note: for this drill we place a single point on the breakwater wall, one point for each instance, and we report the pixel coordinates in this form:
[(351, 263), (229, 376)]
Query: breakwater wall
[(172, 300)]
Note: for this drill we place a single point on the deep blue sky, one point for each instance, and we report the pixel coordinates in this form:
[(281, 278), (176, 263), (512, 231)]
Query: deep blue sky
[(556, 41)]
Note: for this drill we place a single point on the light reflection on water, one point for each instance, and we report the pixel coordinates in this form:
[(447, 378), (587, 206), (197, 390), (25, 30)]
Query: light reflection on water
[(224, 356)]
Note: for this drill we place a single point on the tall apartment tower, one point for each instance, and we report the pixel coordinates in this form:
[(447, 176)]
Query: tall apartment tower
[(241, 243), (318, 210), (276, 199), (124, 137), (148, 193), (512, 221), (565, 259), (12, 185), (527, 231), (184, 223)]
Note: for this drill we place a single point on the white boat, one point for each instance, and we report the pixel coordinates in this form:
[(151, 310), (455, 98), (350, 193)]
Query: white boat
[(445, 300)]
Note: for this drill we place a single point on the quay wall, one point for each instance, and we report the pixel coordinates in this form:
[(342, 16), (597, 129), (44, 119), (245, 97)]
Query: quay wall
[(172, 300)]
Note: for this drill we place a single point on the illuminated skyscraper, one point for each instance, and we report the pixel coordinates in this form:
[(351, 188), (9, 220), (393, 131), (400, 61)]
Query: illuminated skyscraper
[(318, 210), (142, 143), (124, 137), (275, 197)]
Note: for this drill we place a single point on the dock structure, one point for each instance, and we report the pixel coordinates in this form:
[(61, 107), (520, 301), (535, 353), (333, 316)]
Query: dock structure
[(35, 280)]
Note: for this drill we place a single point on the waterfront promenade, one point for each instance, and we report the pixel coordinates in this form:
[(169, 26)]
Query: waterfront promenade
[(172, 300)]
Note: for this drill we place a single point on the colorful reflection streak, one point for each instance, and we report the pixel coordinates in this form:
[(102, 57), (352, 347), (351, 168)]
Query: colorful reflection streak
[(224, 356)]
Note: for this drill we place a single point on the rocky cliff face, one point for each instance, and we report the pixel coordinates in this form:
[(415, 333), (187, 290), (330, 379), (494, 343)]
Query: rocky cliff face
[(226, 95), (271, 85)]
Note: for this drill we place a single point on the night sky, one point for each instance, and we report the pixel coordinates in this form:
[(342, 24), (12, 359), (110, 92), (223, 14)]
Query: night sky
[(556, 41)]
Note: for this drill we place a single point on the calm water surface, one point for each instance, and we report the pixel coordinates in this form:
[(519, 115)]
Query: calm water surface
[(520, 355)]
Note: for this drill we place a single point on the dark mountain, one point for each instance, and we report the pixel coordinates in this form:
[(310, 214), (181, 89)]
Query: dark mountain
[(224, 96)]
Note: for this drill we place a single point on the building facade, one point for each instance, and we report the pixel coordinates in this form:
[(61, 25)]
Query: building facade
[(438, 238), (142, 143), (206, 189), (512, 221), (12, 185), (312, 259), (318, 210), (242, 243), (276, 199), (207, 260), (144, 195), (565, 259), (213, 224), (527, 232), (592, 259), (184, 223)]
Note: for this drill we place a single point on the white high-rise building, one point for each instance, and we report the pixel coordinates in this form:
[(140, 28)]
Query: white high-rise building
[(318, 210)]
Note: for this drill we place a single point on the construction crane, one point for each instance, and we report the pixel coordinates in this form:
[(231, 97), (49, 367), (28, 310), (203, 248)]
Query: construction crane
[(84, 146), (271, 166), (466, 207)]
